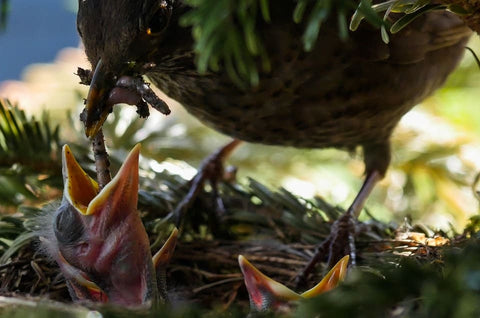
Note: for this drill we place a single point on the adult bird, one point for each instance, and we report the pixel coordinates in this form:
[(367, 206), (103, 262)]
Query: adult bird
[(342, 94), (98, 240)]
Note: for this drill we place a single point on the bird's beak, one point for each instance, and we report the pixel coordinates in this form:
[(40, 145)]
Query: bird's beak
[(164, 255), (79, 188), (119, 196), (110, 260), (97, 108), (331, 280), (266, 293), (161, 259)]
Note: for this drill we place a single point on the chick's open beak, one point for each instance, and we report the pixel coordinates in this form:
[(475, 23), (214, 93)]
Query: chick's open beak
[(103, 248), (266, 293)]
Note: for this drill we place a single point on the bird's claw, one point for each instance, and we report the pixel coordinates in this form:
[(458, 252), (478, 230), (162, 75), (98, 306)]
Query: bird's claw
[(212, 169), (339, 243), (341, 240)]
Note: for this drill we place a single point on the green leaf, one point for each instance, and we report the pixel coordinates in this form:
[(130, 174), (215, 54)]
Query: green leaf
[(265, 10), (28, 148), (319, 14), (367, 11), (406, 19), (4, 9), (22, 240), (299, 11), (458, 9)]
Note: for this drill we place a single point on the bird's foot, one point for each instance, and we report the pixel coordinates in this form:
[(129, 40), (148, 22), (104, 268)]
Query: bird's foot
[(339, 243), (341, 240), (212, 169)]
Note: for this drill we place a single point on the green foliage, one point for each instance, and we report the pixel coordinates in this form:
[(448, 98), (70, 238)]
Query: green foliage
[(448, 287), (23, 138), (226, 34), (4, 8), (320, 11), (224, 31), (419, 10), (411, 9), (412, 287), (28, 153)]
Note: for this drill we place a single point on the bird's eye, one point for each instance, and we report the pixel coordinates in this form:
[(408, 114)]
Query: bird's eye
[(159, 20)]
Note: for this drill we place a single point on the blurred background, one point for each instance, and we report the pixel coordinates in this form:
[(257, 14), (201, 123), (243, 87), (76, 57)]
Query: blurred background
[(436, 147), (36, 31)]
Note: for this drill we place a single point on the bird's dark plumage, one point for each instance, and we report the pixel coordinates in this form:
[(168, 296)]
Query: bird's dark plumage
[(343, 94)]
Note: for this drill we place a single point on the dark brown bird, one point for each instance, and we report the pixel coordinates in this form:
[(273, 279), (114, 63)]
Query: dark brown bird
[(342, 94)]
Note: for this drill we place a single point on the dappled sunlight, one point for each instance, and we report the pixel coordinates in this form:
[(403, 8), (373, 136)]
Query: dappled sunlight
[(52, 86), (434, 158)]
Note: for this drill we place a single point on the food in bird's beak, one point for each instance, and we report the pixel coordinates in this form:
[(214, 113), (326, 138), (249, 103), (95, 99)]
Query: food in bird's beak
[(106, 90), (268, 294)]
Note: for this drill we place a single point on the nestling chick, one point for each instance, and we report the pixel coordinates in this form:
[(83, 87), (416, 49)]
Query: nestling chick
[(98, 240), (267, 294)]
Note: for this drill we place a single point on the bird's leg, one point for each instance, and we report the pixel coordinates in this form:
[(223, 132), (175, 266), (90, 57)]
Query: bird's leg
[(102, 163), (161, 259), (341, 240), (212, 170), (342, 235)]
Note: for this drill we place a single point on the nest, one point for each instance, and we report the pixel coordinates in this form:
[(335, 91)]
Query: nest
[(275, 230)]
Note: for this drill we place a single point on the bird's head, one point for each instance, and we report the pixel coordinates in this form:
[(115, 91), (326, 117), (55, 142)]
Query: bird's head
[(124, 39), (98, 239)]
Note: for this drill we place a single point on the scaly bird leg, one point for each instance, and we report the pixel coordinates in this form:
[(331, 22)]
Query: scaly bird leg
[(102, 163), (161, 259), (212, 170), (341, 240)]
